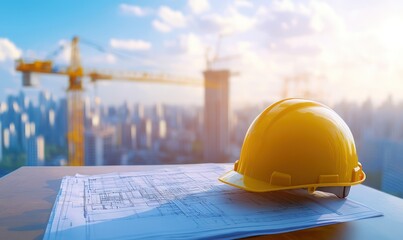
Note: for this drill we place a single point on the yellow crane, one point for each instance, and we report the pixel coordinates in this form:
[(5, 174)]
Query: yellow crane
[(76, 73)]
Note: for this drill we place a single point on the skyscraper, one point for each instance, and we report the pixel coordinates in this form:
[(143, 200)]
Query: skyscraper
[(40, 142), (392, 174), (128, 135), (144, 134), (216, 120), (1, 142), (35, 151), (98, 146), (61, 123)]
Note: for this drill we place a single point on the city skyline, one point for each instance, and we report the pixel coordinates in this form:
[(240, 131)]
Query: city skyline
[(168, 134)]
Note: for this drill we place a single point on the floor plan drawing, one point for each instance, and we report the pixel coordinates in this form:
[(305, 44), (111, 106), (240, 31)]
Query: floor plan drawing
[(185, 202)]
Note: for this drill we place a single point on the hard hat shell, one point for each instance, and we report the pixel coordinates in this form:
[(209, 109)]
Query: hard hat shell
[(296, 143)]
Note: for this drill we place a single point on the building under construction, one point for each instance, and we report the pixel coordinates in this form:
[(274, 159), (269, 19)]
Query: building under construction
[(216, 120)]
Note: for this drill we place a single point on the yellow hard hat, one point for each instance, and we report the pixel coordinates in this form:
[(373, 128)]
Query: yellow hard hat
[(297, 143)]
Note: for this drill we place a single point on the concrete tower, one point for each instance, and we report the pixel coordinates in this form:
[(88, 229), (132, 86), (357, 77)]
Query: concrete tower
[(216, 111)]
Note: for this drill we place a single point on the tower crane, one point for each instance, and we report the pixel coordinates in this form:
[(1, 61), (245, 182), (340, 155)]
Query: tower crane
[(75, 73), (215, 58), (299, 85)]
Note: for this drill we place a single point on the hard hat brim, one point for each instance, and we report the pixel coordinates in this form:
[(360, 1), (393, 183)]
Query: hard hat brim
[(238, 180)]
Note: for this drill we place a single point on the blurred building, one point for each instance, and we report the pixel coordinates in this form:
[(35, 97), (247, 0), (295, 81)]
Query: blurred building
[(1, 140), (144, 137), (35, 151), (61, 123), (13, 138), (216, 120), (392, 174), (127, 135), (98, 146)]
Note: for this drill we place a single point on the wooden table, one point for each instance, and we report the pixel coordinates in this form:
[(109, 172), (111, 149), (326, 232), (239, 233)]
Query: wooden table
[(27, 196)]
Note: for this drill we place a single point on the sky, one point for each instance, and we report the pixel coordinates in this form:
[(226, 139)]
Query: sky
[(342, 50)]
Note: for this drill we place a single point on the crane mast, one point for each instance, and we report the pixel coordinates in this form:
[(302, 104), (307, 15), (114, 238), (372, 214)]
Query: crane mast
[(75, 134)]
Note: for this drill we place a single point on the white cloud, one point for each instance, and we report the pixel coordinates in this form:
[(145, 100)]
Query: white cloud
[(169, 19), (243, 3), (324, 18), (64, 55), (160, 26), (102, 59), (8, 50), (133, 9), (191, 44), (198, 6), (172, 17), (284, 6), (110, 58), (286, 19), (130, 44), (230, 22)]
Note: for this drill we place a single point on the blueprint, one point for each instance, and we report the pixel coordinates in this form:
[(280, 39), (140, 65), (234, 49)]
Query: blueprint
[(186, 202)]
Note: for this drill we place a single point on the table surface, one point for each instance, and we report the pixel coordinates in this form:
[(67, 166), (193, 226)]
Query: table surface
[(27, 196)]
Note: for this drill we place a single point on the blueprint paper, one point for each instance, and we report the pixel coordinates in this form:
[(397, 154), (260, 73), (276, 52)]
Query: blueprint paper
[(186, 202)]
